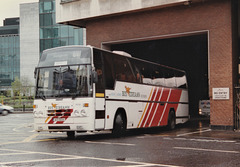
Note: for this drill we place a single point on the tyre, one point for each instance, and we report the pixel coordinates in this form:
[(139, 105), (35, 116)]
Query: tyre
[(171, 120), (4, 112), (71, 134), (119, 127)]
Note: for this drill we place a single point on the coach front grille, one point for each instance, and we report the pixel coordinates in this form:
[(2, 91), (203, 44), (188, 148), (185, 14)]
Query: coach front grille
[(61, 112)]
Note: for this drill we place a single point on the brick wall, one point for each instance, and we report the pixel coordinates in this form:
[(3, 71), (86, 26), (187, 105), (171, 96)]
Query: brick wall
[(213, 16)]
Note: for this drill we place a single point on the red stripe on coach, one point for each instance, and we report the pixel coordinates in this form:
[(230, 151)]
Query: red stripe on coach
[(160, 108), (153, 107), (149, 107), (173, 103)]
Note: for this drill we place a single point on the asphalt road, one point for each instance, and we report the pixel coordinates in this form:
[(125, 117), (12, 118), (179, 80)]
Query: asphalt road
[(192, 144)]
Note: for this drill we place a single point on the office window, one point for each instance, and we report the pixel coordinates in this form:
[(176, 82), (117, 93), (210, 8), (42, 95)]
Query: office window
[(64, 31)]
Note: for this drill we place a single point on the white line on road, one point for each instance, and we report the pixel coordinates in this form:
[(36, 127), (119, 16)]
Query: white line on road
[(69, 157), (39, 160), (201, 131), (207, 140), (13, 154), (209, 150), (122, 144)]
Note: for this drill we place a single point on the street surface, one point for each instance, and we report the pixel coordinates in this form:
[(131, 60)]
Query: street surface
[(192, 144)]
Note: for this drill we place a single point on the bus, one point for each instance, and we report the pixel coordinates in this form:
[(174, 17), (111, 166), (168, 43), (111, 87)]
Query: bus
[(83, 88)]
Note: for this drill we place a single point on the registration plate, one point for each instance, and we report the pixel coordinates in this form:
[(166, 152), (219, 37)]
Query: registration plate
[(58, 119)]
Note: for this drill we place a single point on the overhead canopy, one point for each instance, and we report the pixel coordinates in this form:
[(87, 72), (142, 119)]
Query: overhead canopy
[(76, 12)]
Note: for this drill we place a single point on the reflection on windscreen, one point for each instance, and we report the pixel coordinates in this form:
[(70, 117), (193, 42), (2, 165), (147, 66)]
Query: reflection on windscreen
[(65, 56), (64, 81)]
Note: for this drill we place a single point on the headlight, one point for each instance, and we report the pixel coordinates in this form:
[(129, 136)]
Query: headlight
[(83, 113), (200, 111), (38, 113), (77, 113)]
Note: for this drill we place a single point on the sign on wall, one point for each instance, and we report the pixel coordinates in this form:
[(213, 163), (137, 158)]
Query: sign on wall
[(220, 93)]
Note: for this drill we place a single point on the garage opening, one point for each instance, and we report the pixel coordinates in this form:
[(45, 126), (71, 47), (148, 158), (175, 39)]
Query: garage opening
[(189, 53)]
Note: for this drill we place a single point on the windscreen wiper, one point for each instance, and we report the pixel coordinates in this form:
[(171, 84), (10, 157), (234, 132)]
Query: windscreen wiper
[(43, 97)]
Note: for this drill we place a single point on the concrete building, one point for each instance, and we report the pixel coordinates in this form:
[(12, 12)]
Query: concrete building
[(199, 36), (29, 40)]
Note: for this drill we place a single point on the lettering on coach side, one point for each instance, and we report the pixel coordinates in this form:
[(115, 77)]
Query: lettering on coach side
[(130, 94)]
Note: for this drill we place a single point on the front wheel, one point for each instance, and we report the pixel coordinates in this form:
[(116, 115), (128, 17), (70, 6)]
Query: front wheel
[(119, 127), (4, 112)]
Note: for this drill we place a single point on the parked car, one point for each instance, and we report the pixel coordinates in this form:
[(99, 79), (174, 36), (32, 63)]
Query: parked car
[(204, 107), (4, 110)]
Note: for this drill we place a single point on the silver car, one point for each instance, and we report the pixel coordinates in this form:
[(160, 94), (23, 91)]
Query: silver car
[(4, 110)]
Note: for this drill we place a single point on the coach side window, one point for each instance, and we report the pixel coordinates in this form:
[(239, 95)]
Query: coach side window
[(98, 63), (169, 78), (158, 76), (108, 70), (136, 70), (123, 71), (142, 71), (181, 79)]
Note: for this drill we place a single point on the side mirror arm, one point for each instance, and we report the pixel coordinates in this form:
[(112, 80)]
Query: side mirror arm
[(95, 76)]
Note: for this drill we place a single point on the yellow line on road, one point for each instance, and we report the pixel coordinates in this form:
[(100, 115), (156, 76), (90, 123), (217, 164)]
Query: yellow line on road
[(190, 133), (28, 139)]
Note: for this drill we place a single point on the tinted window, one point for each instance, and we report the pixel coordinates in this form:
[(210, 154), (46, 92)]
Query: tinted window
[(97, 58), (123, 70), (108, 70)]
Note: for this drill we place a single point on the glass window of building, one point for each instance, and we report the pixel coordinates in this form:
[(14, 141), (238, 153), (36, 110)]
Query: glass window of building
[(52, 34), (9, 59)]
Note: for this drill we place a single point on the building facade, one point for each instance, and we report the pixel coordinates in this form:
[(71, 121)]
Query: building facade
[(22, 41), (29, 40), (9, 53), (52, 34), (199, 36), (39, 31)]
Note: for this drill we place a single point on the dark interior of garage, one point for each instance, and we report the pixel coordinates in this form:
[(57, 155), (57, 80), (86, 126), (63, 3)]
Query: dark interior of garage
[(189, 53)]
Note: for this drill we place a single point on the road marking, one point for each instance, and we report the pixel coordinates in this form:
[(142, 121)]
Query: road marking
[(201, 131), (122, 144), (209, 150), (43, 140), (19, 127), (207, 140), (38, 160), (28, 139), (69, 157), (13, 154)]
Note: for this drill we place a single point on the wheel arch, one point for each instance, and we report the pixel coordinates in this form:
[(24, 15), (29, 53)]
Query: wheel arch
[(171, 121), (172, 110), (121, 111)]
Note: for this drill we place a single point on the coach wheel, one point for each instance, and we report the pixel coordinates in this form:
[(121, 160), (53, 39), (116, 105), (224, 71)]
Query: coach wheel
[(171, 120), (119, 127), (71, 134), (4, 112)]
